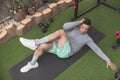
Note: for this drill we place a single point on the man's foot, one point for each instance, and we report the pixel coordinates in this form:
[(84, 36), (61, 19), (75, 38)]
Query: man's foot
[(28, 67), (29, 43)]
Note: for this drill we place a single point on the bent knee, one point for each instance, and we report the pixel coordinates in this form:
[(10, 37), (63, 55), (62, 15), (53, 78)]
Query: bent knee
[(62, 31), (42, 46), (45, 46)]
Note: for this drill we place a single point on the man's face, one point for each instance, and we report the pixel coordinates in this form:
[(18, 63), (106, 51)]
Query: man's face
[(83, 28)]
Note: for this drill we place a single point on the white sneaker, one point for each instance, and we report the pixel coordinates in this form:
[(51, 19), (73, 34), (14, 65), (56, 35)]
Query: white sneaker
[(29, 43), (28, 67)]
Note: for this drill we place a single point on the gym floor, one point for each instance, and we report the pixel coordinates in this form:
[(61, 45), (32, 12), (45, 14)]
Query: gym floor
[(90, 66)]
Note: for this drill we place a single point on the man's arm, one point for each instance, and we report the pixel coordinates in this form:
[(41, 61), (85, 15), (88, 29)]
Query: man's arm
[(97, 50), (70, 25), (101, 54)]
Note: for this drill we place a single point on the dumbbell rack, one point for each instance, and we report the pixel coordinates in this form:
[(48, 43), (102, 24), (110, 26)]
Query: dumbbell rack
[(99, 2)]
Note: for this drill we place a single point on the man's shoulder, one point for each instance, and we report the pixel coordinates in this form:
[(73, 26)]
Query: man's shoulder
[(73, 28), (89, 37)]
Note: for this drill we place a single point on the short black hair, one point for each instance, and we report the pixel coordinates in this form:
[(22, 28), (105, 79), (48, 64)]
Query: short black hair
[(86, 21)]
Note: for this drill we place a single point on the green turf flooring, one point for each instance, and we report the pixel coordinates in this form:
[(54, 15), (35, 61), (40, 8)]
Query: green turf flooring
[(90, 66)]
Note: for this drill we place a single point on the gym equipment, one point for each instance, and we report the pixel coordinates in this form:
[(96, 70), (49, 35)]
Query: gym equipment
[(50, 65), (50, 21), (44, 26), (117, 43), (117, 75), (99, 2)]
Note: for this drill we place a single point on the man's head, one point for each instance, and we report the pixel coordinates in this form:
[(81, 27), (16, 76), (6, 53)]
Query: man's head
[(84, 26)]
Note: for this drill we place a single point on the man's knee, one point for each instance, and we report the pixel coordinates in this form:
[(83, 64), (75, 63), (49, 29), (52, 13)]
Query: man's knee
[(62, 31), (42, 47), (45, 46)]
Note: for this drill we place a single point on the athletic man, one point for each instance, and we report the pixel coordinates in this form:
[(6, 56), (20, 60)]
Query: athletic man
[(64, 43)]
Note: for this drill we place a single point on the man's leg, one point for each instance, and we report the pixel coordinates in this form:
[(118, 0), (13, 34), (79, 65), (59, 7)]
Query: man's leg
[(38, 52), (61, 47), (62, 39), (58, 35)]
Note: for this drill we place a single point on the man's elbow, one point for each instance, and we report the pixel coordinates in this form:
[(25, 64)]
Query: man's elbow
[(65, 26)]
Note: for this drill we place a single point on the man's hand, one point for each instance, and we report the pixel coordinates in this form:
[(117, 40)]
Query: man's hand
[(82, 20), (111, 65)]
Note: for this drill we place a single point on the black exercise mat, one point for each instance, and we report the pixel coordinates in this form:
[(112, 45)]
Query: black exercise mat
[(50, 65)]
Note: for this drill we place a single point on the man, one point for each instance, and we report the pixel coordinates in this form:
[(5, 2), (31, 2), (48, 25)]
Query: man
[(64, 43)]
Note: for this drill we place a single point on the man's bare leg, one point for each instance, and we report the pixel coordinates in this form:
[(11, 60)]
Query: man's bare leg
[(58, 35), (38, 52), (33, 43)]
